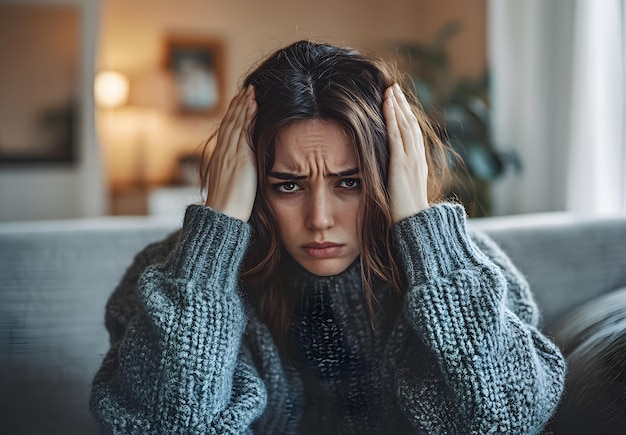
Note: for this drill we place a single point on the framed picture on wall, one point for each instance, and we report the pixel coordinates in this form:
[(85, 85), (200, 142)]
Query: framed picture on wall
[(197, 65)]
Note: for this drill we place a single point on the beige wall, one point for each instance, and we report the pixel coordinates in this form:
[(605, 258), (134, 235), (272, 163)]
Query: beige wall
[(131, 41), (58, 191)]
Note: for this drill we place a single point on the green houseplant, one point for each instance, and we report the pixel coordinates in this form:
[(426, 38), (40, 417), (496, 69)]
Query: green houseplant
[(461, 108)]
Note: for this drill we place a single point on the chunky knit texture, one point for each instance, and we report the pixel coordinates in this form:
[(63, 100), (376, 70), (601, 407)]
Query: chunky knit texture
[(461, 354)]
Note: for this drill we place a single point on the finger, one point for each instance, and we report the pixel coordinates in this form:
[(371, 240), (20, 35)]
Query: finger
[(252, 110), (244, 135), (230, 118), (403, 125), (230, 110), (410, 117), (240, 123), (406, 117), (402, 101), (393, 131)]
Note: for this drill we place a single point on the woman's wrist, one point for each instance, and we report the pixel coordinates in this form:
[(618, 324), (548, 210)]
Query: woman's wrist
[(434, 242), (210, 241)]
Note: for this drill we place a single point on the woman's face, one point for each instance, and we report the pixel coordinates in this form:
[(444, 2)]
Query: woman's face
[(314, 191)]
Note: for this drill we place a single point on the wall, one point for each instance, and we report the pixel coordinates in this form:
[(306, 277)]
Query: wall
[(62, 191), (127, 35), (132, 41)]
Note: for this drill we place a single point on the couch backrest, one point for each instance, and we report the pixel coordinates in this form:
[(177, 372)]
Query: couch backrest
[(566, 259), (55, 279)]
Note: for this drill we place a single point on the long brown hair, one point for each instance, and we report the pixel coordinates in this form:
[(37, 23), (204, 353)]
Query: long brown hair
[(308, 80)]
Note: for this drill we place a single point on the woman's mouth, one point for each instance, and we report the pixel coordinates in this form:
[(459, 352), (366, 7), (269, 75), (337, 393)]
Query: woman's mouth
[(322, 249)]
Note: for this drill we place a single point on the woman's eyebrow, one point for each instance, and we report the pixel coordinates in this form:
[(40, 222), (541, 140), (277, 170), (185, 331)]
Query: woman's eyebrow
[(345, 173), (290, 176), (286, 176)]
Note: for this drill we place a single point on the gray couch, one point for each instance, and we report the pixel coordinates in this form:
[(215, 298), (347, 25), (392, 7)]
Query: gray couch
[(55, 278)]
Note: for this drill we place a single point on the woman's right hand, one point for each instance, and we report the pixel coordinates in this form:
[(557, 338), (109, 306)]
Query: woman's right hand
[(232, 170)]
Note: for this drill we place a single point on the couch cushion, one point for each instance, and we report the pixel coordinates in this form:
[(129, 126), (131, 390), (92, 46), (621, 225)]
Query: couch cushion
[(593, 338)]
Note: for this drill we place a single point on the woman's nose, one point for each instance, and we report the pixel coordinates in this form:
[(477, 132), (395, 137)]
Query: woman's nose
[(320, 213)]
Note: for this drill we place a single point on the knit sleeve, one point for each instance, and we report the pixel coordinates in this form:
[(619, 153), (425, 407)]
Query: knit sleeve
[(176, 364), (497, 372)]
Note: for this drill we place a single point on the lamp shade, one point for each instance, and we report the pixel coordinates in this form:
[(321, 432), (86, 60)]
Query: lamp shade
[(111, 89)]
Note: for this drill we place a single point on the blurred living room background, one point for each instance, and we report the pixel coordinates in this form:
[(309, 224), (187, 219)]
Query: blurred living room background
[(105, 104)]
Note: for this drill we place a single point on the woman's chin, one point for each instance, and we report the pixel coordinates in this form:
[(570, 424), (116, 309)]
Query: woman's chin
[(326, 267)]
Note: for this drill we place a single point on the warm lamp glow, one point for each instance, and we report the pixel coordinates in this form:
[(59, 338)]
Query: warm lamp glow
[(110, 89)]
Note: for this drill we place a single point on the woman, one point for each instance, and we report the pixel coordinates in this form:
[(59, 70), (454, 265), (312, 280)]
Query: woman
[(319, 290)]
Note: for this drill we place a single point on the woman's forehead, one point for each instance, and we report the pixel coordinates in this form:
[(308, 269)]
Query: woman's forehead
[(314, 142)]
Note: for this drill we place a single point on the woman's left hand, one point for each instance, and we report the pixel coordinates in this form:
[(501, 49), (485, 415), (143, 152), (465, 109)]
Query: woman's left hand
[(408, 169)]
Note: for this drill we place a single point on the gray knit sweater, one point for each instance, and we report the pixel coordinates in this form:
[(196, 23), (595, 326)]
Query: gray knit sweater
[(462, 354)]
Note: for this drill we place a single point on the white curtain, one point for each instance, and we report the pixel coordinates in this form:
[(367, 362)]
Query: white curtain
[(596, 164), (558, 99)]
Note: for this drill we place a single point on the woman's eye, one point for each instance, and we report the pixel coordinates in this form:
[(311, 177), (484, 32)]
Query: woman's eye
[(287, 187), (350, 183)]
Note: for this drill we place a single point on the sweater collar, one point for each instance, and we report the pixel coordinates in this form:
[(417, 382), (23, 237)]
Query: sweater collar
[(299, 277)]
